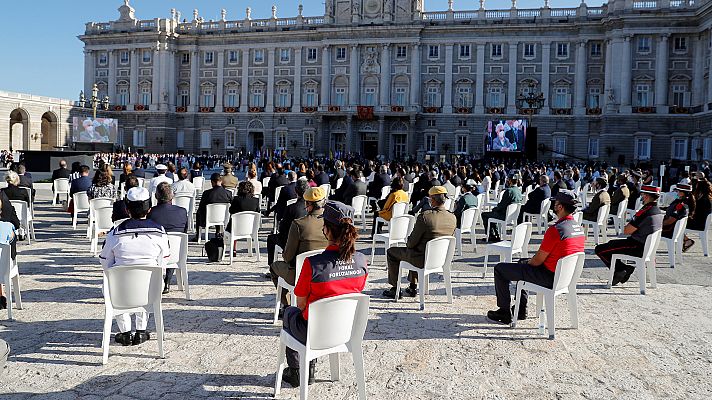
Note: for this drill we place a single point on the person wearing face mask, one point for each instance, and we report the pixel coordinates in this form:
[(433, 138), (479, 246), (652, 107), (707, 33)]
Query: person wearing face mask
[(600, 199), (562, 239), (680, 208)]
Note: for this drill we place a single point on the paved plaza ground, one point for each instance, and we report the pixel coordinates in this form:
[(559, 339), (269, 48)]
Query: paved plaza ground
[(223, 344)]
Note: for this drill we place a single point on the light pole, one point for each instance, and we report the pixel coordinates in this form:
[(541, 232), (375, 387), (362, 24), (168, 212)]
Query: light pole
[(530, 103), (95, 102)]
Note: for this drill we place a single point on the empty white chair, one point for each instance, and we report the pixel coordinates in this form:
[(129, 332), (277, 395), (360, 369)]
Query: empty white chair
[(359, 203), (619, 216), (130, 289), (99, 202), (178, 243), (505, 249), (60, 187), (398, 209), (599, 225), (674, 245), (80, 203), (327, 189), (568, 271), (703, 234), (336, 325), (198, 183), (25, 217), (510, 218), (467, 225), (438, 257), (282, 284), (400, 229), (539, 220), (641, 263), (10, 276), (245, 225), (102, 223), (216, 214), (188, 203)]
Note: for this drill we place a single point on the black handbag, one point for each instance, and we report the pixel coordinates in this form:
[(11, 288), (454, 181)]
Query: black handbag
[(214, 248)]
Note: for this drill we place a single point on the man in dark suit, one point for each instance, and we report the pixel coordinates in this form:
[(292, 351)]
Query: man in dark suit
[(139, 172), (338, 174), (215, 195), (321, 177), (276, 180), (119, 210), (25, 179), (82, 183), (294, 211), (356, 186), (172, 218), (287, 193), (380, 180), (558, 184), (8, 214), (533, 204), (421, 187), (62, 172)]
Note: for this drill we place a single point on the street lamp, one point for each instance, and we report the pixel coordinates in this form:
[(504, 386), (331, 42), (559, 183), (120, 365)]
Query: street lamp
[(531, 102), (94, 101)]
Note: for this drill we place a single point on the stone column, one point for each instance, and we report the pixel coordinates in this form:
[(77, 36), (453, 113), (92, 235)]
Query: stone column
[(165, 77), (698, 73), (354, 78), (297, 88), (194, 80), (245, 85), (625, 76), (89, 72), (172, 84), (349, 134), (156, 79), (325, 76), (219, 93), (545, 64), (447, 93), (412, 139), (415, 76), (111, 92), (512, 79), (385, 90), (133, 85), (607, 86), (480, 80), (270, 81), (661, 75), (580, 89), (709, 82), (382, 137)]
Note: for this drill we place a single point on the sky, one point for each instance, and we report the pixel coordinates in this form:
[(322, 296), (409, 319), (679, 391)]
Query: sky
[(42, 55)]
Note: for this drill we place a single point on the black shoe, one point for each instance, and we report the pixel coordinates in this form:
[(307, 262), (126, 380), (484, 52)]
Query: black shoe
[(410, 292), (501, 315), (391, 293), (291, 376), (124, 339), (166, 288), (268, 275), (281, 311), (619, 276), (627, 272), (522, 312), (3, 302), (140, 337)]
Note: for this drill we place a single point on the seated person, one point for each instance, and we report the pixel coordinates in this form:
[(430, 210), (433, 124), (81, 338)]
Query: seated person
[(600, 199), (536, 197), (467, 200), (703, 208), (678, 209), (620, 193), (244, 200), (512, 194), (13, 191), (562, 239), (171, 218), (397, 195), (7, 236), (82, 183), (215, 195), (119, 210), (294, 211)]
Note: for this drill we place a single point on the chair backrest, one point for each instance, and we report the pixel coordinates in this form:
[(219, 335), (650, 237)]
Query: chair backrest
[(359, 204), (439, 252), (119, 221), (603, 214), (291, 201), (679, 230), (5, 261), (265, 181), (245, 223), (651, 244), (622, 207), (337, 320), (545, 206), (300, 260), (486, 185), (178, 243), (327, 188), (708, 223), (468, 218), (568, 270), (385, 191), (399, 209), (101, 202), (512, 212), (140, 181), (186, 202), (198, 182), (398, 228), (339, 182), (216, 213), (20, 209), (277, 191), (80, 201), (480, 200), (102, 219), (448, 204), (520, 235), (61, 185), (578, 216), (132, 286)]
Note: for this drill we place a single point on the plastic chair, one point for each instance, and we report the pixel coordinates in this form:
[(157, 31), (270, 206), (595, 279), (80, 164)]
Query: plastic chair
[(619, 216), (398, 209), (703, 235), (216, 214), (438, 257), (629, 214), (178, 243), (491, 204), (568, 271), (359, 203), (336, 325), (583, 195), (641, 263), (275, 225), (60, 186), (245, 225), (291, 201), (282, 284), (198, 182), (99, 202), (510, 219), (599, 225), (339, 182), (449, 204), (188, 203), (674, 245), (505, 249), (467, 224), (129, 289), (80, 203), (327, 189), (539, 220), (400, 229), (25, 217), (102, 223), (10, 278)]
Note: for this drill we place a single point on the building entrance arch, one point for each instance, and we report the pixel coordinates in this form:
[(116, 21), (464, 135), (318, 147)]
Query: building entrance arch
[(19, 130), (50, 131)]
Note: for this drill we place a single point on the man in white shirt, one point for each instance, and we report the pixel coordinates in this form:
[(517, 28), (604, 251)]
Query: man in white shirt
[(161, 177), (183, 186), (136, 241)]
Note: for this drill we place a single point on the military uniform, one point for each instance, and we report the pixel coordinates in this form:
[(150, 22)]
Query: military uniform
[(678, 209), (511, 195)]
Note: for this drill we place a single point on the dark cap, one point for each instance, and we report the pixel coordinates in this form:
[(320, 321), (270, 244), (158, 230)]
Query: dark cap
[(566, 196), (334, 211)]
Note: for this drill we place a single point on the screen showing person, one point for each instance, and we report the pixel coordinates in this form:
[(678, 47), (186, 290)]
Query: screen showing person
[(99, 130), (505, 135)]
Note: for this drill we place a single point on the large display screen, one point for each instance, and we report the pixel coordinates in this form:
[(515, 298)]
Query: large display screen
[(90, 130), (506, 135)]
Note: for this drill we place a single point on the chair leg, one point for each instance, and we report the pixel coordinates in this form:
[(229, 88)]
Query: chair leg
[(277, 304), (671, 253), (550, 314), (540, 311), (484, 271), (16, 292), (641, 275), (573, 309), (184, 279), (517, 299), (422, 278), (595, 234), (8, 287), (159, 327), (303, 376), (334, 366), (256, 242), (448, 283), (357, 353), (653, 274), (703, 239), (398, 284), (105, 337), (611, 271), (373, 249), (280, 368)]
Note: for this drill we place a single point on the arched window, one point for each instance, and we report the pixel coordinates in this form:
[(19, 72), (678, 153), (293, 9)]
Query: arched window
[(432, 93), (284, 94), (257, 94), (232, 94), (311, 90), (400, 91), (341, 85), (144, 93), (463, 90), (370, 91), (207, 95)]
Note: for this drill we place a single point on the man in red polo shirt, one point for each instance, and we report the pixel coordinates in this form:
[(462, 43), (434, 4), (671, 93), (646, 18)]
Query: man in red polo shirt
[(564, 238)]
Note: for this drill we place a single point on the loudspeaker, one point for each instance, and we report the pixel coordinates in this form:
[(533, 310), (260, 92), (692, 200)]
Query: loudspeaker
[(530, 144)]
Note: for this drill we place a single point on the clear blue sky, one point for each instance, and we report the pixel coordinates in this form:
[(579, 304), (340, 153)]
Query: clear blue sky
[(42, 55)]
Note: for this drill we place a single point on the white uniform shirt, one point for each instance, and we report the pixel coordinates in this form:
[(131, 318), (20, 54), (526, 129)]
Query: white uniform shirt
[(135, 242), (184, 187), (157, 181)]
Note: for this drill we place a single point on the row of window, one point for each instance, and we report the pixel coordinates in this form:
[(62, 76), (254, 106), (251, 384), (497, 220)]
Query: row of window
[(645, 44), (642, 149), (125, 57)]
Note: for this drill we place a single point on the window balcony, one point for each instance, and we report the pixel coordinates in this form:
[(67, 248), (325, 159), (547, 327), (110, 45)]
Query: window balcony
[(397, 109), (494, 110), (141, 107), (181, 109), (206, 109), (561, 111), (309, 109), (463, 110), (334, 108), (432, 110), (254, 109), (593, 111), (680, 110), (643, 110), (119, 108), (230, 109), (283, 109)]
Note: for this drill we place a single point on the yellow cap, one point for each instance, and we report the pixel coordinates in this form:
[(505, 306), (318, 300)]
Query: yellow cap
[(314, 194), (437, 190)]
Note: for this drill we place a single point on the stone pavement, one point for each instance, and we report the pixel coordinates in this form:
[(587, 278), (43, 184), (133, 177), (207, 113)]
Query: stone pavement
[(223, 345)]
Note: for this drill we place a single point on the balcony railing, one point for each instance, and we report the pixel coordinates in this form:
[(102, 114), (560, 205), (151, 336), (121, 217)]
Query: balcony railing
[(644, 110), (206, 109), (282, 109), (181, 109), (141, 107), (561, 111), (230, 109)]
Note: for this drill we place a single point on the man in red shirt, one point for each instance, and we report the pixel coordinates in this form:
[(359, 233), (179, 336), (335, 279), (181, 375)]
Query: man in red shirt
[(564, 238)]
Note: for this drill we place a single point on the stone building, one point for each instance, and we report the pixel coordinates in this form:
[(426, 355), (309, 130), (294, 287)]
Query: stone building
[(628, 80)]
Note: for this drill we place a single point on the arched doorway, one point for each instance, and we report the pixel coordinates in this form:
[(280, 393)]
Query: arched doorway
[(19, 130), (49, 131)]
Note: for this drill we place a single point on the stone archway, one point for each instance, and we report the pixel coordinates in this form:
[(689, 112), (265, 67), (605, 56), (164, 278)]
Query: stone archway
[(19, 130), (50, 134)]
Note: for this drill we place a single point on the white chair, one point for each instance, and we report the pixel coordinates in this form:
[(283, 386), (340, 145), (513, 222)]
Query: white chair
[(638, 204), (178, 243), (539, 220), (703, 235), (641, 263), (397, 235), (80, 203), (60, 187), (674, 245), (599, 225), (141, 181), (449, 204), (360, 203), (10, 278), (265, 181), (568, 271), (291, 201), (336, 325), (119, 221), (99, 202), (245, 225), (216, 214), (438, 257), (578, 217), (493, 203), (275, 225), (467, 225), (25, 217), (102, 223), (198, 183), (619, 216), (583, 195), (188, 203), (505, 249), (398, 209), (510, 218), (233, 191), (339, 182), (129, 289), (282, 284), (327, 189)]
